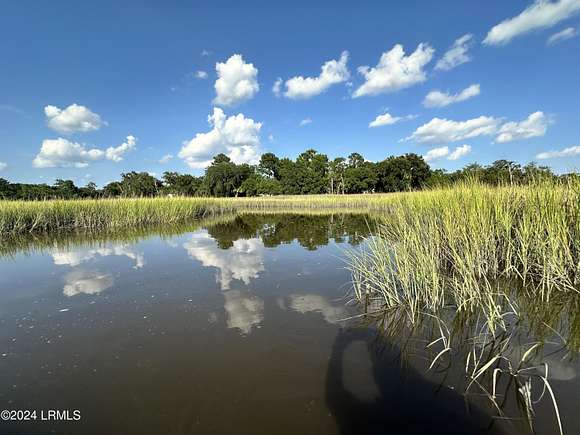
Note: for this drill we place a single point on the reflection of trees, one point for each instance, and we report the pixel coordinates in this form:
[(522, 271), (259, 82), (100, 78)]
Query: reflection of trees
[(310, 231)]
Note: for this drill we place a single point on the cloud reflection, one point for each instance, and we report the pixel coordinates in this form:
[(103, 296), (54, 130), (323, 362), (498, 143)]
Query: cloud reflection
[(243, 312), (310, 303), (89, 282), (243, 261), (76, 257)]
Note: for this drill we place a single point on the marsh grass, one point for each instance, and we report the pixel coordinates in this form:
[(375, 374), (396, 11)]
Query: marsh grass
[(498, 258), (58, 215), (449, 246)]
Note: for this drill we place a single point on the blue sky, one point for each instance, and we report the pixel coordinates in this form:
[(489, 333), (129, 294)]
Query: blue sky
[(90, 90)]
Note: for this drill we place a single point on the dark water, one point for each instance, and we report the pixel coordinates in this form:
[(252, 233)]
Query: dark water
[(236, 327)]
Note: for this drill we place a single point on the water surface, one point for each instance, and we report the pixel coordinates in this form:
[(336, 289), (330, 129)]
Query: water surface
[(235, 327)]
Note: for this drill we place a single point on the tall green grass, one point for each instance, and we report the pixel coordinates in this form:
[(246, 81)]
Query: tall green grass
[(46, 216), (451, 246)]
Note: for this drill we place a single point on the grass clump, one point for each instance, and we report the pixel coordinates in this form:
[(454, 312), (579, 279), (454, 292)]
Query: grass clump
[(447, 246)]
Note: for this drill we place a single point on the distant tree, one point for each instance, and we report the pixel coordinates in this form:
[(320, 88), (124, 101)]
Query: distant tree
[(181, 184), (408, 172), (439, 178), (65, 189), (312, 171), (225, 178), (89, 191), (137, 184), (269, 166), (360, 176), (6, 191), (336, 171), (112, 190)]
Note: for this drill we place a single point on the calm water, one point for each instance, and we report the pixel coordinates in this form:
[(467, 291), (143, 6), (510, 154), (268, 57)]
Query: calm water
[(236, 327)]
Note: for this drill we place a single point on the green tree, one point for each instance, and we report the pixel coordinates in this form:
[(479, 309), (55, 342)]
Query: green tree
[(65, 189), (359, 176), (403, 173), (269, 166), (137, 184), (181, 184), (336, 171)]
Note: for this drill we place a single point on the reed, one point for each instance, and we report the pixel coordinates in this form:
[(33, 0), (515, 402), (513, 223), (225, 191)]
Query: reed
[(448, 246)]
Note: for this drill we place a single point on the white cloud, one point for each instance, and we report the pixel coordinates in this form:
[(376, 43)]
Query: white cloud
[(305, 121), (271, 137), (331, 73), (73, 119), (116, 153), (277, 88), (237, 81), (165, 159), (456, 55), (388, 119), (3, 166), (236, 136), (459, 152), (567, 33), (566, 152), (205, 52), (395, 71), (63, 153), (535, 125), (442, 99), (541, 14), (438, 153), (200, 75), (444, 130)]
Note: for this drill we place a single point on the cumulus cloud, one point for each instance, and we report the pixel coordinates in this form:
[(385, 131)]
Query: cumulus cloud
[(74, 118), (444, 130), (63, 153), (305, 121), (116, 153), (236, 136), (237, 81), (165, 159), (200, 75), (388, 119), (459, 152), (442, 99), (438, 153), (331, 73), (395, 71), (456, 55), (535, 125), (563, 35), (566, 152), (3, 166), (540, 15)]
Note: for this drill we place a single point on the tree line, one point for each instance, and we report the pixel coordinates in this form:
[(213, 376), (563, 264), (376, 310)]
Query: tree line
[(310, 173)]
